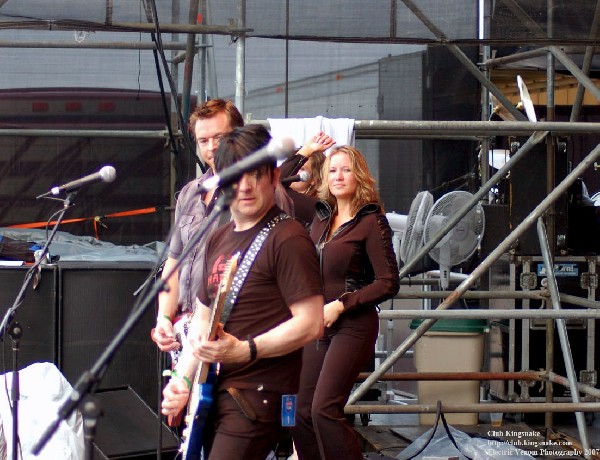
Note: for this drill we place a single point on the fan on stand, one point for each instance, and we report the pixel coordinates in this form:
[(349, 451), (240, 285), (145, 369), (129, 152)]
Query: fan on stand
[(408, 229), (462, 240), (413, 236)]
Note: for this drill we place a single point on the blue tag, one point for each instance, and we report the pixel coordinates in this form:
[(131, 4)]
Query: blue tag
[(288, 410)]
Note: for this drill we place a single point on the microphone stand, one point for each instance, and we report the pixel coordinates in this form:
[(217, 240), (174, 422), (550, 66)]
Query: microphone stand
[(89, 380), (15, 330)]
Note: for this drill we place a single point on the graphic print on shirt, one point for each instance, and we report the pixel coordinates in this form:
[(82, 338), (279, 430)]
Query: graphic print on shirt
[(216, 274)]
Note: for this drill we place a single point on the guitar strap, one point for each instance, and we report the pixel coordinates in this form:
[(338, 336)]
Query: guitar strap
[(244, 268)]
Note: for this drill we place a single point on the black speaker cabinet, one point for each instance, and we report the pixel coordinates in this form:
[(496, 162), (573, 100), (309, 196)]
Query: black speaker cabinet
[(128, 428), (37, 316), (425, 85), (528, 188), (95, 300)]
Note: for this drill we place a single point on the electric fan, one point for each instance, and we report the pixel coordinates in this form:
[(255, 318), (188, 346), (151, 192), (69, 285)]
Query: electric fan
[(412, 240), (407, 230), (526, 99), (462, 240), (398, 224)]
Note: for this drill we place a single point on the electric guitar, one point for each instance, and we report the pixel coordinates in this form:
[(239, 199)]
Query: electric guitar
[(180, 329), (202, 386)]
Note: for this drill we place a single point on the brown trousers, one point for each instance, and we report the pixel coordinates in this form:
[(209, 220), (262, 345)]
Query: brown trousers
[(329, 370), (234, 435)]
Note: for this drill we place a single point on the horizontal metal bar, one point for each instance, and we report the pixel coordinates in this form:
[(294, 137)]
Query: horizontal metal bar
[(412, 127), (489, 314), (373, 129), (122, 27), (579, 301), (473, 295), (582, 387), (470, 408), (516, 57), (367, 129), (81, 133), (90, 44), (437, 376)]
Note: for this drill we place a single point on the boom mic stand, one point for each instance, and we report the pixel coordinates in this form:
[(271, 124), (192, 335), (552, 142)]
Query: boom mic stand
[(89, 380), (15, 328)]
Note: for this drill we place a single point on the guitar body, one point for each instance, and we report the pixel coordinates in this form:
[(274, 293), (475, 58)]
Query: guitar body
[(201, 394), (180, 328), (204, 398)]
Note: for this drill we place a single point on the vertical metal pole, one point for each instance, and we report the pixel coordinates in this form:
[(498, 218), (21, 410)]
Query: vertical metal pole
[(550, 214), (213, 89), (562, 332), (174, 122), (525, 332), (550, 142), (202, 94), (188, 71), (485, 20), (591, 323), (549, 388), (287, 59), (586, 66), (510, 393), (240, 58)]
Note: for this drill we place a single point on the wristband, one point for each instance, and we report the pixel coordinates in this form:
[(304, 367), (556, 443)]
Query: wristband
[(167, 317), (174, 373), (252, 346)]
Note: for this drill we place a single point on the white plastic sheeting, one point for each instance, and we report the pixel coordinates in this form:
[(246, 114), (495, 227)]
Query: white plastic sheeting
[(42, 389)]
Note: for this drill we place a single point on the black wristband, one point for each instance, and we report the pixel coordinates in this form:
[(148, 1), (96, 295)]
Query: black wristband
[(252, 346)]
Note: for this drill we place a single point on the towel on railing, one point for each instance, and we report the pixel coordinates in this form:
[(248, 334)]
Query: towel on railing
[(302, 129)]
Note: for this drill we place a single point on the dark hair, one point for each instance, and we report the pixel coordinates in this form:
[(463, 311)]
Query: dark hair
[(209, 109), (240, 143)]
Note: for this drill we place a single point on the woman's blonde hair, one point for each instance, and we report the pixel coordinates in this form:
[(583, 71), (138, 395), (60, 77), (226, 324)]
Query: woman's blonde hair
[(316, 169), (365, 190)]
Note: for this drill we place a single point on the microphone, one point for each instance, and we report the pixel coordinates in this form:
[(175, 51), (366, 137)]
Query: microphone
[(302, 176), (106, 174), (273, 151)]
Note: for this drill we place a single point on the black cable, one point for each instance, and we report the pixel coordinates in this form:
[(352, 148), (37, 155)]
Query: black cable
[(173, 143), (180, 180), (174, 95), (440, 415)]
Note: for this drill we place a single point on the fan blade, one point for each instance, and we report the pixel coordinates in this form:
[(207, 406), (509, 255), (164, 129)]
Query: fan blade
[(412, 240), (526, 99)]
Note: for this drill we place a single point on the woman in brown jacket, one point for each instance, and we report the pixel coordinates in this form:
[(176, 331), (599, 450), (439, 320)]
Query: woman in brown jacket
[(359, 271)]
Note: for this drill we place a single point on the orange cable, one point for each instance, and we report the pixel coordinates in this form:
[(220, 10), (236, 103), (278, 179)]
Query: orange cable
[(96, 219)]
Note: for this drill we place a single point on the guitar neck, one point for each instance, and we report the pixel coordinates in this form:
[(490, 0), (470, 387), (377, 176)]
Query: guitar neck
[(202, 373)]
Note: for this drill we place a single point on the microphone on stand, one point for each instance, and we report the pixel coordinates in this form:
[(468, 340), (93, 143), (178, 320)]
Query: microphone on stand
[(302, 176), (106, 174), (270, 153)]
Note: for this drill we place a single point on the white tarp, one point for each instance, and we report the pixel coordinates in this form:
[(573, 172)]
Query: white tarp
[(42, 389)]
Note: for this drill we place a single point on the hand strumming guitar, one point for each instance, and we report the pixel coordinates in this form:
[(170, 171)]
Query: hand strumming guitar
[(175, 396), (164, 335)]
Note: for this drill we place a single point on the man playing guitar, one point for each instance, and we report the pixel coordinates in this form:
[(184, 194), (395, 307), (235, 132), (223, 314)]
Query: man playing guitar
[(278, 309)]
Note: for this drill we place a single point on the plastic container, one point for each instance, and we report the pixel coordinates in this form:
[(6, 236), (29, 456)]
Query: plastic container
[(450, 345)]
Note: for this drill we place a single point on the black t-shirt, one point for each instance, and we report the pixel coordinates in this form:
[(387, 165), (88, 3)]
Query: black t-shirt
[(285, 271)]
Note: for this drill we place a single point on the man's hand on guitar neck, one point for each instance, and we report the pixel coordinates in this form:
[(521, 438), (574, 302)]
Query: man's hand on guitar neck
[(224, 349)]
